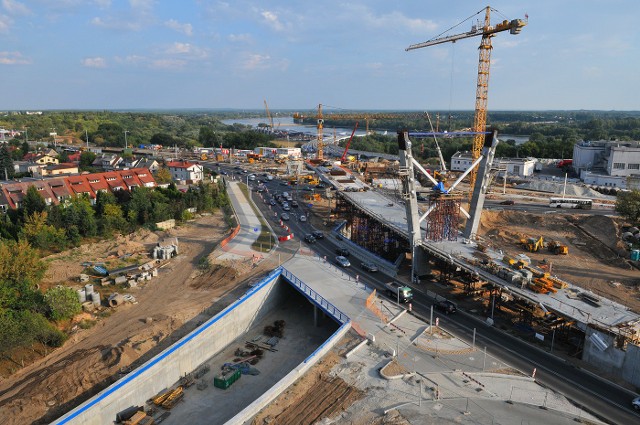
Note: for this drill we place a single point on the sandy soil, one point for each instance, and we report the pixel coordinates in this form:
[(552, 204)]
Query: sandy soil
[(597, 259), (168, 307)]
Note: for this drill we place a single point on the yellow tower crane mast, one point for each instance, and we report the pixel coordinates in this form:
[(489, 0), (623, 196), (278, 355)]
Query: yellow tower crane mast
[(320, 142), (487, 32), (269, 117)]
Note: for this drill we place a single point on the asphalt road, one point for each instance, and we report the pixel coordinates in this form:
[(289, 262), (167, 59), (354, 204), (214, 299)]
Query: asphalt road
[(599, 396)]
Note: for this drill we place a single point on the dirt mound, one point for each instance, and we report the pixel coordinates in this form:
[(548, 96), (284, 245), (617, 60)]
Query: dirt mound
[(218, 275), (313, 397)]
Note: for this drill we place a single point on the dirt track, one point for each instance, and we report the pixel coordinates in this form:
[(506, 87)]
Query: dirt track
[(92, 358), (597, 258)]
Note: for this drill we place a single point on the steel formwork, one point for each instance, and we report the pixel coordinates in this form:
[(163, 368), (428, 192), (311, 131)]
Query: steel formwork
[(369, 232), (444, 219)]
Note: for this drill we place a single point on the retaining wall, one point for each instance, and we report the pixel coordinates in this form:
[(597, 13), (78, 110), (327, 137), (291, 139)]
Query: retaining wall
[(183, 357)]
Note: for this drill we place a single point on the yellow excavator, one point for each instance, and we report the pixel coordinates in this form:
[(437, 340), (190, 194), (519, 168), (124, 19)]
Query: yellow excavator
[(532, 244), (558, 248)]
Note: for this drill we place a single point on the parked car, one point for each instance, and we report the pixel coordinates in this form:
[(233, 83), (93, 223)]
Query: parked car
[(445, 306), (369, 266), (286, 207), (303, 218), (507, 202), (285, 217), (318, 234), (309, 238), (320, 186), (272, 202), (342, 261), (344, 252)]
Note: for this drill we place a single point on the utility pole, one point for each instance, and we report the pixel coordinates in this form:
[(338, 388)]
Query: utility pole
[(86, 136), (125, 138)]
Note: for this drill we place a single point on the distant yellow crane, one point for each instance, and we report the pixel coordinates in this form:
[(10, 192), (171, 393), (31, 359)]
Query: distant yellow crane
[(320, 142), (482, 88), (268, 114)]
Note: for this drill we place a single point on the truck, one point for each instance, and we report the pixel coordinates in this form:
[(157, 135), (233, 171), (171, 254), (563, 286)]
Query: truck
[(399, 291)]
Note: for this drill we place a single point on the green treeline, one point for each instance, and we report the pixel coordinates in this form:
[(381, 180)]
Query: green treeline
[(26, 313), (107, 128)]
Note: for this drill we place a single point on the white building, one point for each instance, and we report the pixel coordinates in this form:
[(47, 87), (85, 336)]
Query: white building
[(184, 171), (291, 153), (607, 163), (521, 167)]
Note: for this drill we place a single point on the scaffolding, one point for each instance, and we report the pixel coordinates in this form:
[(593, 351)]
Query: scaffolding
[(444, 219)]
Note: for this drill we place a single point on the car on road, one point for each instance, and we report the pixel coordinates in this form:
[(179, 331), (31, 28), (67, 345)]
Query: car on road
[(283, 183), (272, 202), (294, 204), (224, 173), (369, 266), (342, 261), (286, 207), (318, 234), (320, 186), (635, 403), (344, 252), (309, 238), (445, 306), (285, 217), (507, 202), (303, 218)]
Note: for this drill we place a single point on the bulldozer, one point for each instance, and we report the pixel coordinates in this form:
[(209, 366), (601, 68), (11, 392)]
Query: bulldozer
[(532, 244), (558, 248)]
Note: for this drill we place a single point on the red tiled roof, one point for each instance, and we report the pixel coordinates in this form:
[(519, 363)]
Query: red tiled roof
[(180, 164)]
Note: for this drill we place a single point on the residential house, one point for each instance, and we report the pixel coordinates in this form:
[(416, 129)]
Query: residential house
[(56, 169), (59, 189), (185, 171), (107, 161)]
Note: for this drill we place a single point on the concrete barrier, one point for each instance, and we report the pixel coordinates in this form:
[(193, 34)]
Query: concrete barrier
[(183, 357)]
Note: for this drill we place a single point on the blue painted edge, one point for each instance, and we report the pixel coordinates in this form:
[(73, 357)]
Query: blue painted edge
[(188, 338), (345, 325), (284, 276)]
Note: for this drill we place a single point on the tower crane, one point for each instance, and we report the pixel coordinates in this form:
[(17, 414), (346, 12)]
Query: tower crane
[(320, 142), (487, 31), (266, 107)]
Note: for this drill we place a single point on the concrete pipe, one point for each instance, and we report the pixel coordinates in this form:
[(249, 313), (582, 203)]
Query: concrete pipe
[(116, 300)]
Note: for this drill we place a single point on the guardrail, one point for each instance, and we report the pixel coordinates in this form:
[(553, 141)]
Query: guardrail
[(315, 297)]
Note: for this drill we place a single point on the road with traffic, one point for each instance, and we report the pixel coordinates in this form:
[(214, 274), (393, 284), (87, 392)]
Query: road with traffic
[(597, 395)]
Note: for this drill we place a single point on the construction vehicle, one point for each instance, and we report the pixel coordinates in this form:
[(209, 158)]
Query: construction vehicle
[(487, 31), (557, 248), (203, 157), (346, 148), (532, 244), (397, 290)]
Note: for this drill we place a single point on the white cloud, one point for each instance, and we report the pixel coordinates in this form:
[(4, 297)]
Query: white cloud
[(272, 20), (5, 23), (15, 8), (103, 3), (116, 24), (240, 38), (170, 64), (186, 29), (13, 58), (97, 62), (255, 61), (186, 49)]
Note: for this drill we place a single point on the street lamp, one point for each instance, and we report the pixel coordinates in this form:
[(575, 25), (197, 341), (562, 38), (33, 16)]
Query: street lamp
[(125, 138), (248, 187)]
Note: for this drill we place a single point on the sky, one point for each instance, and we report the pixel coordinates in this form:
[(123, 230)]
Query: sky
[(152, 54)]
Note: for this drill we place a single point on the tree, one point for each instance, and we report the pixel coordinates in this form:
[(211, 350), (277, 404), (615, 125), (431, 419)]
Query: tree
[(6, 163), (86, 159), (163, 175), (33, 202), (628, 205), (42, 235), (62, 303), (20, 270)]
